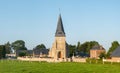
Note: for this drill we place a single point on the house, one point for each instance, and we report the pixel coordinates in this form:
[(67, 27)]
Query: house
[(96, 51), (34, 53), (115, 56), (43, 52), (18, 52)]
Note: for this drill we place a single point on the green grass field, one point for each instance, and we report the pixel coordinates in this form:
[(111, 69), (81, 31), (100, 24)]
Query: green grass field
[(7, 66)]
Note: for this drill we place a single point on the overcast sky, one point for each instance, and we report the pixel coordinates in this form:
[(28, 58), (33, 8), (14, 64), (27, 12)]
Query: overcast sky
[(35, 21)]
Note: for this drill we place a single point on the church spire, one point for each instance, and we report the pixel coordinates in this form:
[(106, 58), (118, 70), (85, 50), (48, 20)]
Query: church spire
[(60, 29)]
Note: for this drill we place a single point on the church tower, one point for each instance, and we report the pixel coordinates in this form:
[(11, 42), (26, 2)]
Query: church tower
[(59, 48)]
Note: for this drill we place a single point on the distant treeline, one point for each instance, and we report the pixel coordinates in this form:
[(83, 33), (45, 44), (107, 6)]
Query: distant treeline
[(83, 48)]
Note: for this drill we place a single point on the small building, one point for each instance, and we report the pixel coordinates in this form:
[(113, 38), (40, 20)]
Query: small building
[(43, 52), (96, 51), (115, 56), (35, 52), (26, 52)]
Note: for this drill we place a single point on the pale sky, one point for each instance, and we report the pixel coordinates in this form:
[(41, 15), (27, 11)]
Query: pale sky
[(35, 21)]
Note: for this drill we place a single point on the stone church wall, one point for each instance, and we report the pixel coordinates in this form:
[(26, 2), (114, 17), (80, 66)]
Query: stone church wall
[(52, 60)]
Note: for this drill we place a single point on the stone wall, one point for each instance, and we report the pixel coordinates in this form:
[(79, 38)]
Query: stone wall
[(53, 60), (114, 59), (79, 59)]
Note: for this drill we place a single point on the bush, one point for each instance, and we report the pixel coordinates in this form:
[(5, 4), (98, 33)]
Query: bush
[(21, 54), (94, 60)]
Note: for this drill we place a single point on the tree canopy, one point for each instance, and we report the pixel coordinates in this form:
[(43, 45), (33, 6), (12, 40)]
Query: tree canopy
[(114, 45), (85, 47), (41, 46), (8, 47), (19, 45), (2, 51), (72, 49), (21, 54), (82, 49)]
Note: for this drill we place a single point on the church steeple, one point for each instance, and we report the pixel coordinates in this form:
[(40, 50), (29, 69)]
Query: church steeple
[(59, 49), (60, 29)]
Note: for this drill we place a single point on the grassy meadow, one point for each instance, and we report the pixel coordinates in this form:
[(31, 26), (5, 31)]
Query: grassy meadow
[(11, 66)]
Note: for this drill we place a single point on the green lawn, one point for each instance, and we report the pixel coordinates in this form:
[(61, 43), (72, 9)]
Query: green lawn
[(7, 66)]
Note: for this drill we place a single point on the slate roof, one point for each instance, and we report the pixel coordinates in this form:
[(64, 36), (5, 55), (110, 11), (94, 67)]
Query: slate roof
[(19, 51), (97, 47), (39, 51), (30, 52), (60, 29), (116, 52)]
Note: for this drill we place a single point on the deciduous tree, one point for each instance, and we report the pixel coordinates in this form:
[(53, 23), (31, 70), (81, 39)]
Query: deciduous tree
[(114, 45), (2, 51), (41, 46), (19, 45), (8, 48), (72, 49)]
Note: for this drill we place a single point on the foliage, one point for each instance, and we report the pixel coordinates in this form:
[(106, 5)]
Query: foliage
[(8, 47), (114, 45), (85, 47), (41, 46), (72, 49), (102, 55), (11, 66), (21, 54), (82, 49), (93, 61), (78, 46), (2, 51), (19, 45)]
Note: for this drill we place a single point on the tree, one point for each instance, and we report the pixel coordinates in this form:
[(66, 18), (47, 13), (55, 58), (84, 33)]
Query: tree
[(85, 47), (19, 45), (21, 54), (2, 51), (78, 46), (8, 48), (72, 49), (102, 55), (114, 45), (41, 46), (93, 43)]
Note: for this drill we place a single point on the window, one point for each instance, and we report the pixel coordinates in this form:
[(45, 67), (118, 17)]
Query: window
[(59, 32)]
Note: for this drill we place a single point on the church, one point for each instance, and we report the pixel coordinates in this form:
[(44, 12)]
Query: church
[(59, 52), (59, 48)]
